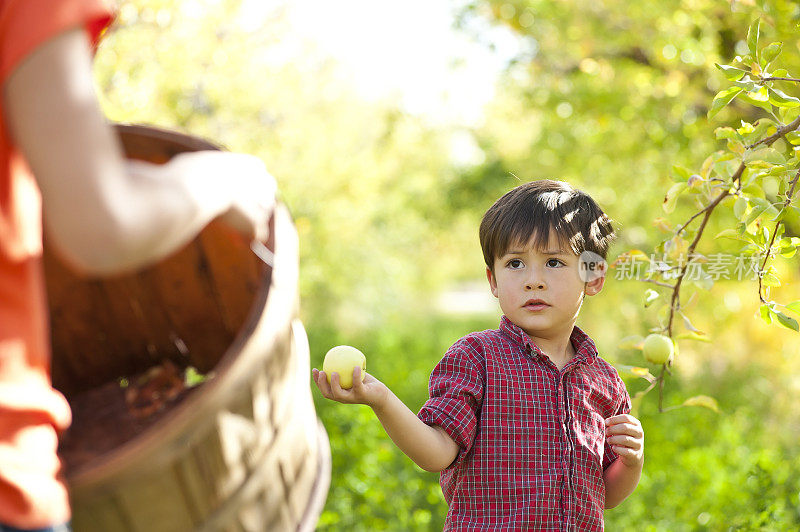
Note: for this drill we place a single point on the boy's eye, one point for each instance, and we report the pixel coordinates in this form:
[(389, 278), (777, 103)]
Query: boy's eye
[(554, 263), (514, 264)]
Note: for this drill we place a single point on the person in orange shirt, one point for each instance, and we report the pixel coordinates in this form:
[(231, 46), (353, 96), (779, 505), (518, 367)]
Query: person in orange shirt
[(60, 162)]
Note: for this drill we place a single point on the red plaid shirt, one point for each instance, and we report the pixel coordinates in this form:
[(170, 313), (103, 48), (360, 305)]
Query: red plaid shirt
[(532, 439)]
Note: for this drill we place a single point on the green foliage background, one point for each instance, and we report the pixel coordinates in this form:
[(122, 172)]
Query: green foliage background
[(608, 96)]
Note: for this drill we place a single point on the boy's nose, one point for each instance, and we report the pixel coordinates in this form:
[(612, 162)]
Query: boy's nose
[(535, 281)]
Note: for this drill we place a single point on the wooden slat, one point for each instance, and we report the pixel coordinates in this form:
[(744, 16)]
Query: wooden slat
[(183, 287), (235, 279), (141, 325), (212, 469), (319, 491), (194, 490), (104, 514), (83, 332), (155, 504), (301, 488)]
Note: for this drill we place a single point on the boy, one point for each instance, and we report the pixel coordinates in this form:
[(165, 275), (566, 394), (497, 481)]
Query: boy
[(528, 426)]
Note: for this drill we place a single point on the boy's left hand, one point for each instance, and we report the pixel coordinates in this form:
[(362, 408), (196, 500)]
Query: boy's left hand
[(625, 435)]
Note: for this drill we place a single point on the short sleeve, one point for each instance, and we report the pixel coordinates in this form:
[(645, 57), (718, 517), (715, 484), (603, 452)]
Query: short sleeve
[(609, 456), (456, 391), (27, 24)]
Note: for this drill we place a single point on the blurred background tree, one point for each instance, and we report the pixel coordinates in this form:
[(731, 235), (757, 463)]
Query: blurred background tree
[(608, 96)]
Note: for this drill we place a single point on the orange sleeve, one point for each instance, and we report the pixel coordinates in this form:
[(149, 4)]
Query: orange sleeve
[(26, 24)]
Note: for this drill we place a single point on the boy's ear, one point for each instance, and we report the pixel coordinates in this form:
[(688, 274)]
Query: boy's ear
[(492, 282), (594, 286)]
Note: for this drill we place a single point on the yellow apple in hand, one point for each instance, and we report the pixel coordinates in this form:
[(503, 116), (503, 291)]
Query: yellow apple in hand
[(343, 359), (658, 348)]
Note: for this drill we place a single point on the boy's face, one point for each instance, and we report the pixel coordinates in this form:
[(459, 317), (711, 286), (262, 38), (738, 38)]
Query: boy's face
[(526, 273)]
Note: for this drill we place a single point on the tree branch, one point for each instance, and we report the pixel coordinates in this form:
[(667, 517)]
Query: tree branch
[(675, 302), (781, 79), (786, 203), (659, 283), (794, 124)]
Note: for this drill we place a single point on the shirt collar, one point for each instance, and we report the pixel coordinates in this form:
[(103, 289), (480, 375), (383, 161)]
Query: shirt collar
[(585, 349)]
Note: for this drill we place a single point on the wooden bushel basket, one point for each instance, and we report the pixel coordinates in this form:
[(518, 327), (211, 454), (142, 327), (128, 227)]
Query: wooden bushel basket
[(244, 450)]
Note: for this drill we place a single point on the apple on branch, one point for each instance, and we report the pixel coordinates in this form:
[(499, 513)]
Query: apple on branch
[(658, 348)]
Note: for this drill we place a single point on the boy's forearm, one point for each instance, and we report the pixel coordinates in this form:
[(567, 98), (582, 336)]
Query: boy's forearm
[(620, 481), (429, 447)]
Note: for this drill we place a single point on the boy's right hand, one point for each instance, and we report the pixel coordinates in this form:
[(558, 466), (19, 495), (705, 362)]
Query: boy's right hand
[(371, 392)]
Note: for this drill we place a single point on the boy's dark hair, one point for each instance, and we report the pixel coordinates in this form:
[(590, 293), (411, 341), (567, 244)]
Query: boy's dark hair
[(531, 210)]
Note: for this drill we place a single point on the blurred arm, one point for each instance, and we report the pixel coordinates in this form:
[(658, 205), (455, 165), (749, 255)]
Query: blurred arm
[(103, 213)]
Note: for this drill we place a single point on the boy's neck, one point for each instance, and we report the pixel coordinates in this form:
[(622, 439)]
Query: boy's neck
[(557, 347)]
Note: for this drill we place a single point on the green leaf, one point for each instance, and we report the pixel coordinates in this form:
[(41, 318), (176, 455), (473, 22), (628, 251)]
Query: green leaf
[(779, 171), (786, 321), (766, 313), (740, 207), (781, 99), (723, 156), (793, 137), (780, 73), (631, 342), (754, 190), (192, 377), (731, 73), (704, 281), (637, 371), (785, 243), (736, 146), (770, 280), (764, 157), (760, 95), (794, 306), (703, 400), (769, 53), (726, 133), (746, 128), (671, 198), (746, 84), (689, 326), (788, 114), (649, 296), (761, 103), (681, 172), (693, 336), (722, 99), (763, 235), (752, 37), (733, 234), (762, 126), (755, 213)]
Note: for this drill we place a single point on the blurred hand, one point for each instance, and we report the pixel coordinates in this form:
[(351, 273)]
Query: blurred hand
[(371, 392), (238, 181), (254, 197), (625, 435)]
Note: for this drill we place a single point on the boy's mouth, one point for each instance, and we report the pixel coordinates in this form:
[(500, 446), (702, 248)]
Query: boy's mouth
[(535, 304)]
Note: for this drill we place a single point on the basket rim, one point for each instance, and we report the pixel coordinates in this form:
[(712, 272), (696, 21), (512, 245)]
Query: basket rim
[(272, 310), (270, 313)]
